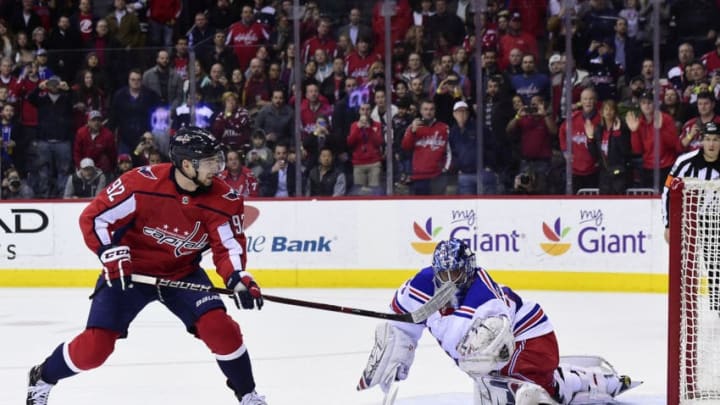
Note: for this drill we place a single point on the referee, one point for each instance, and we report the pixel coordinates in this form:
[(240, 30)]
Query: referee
[(701, 164)]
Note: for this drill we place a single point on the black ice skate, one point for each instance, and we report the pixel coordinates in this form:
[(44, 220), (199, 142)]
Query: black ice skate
[(38, 390)]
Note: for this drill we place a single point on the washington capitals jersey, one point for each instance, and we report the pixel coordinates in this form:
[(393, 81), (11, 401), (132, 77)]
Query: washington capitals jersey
[(482, 299), (167, 229)]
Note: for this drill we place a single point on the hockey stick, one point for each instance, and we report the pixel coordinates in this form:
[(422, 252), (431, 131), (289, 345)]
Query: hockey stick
[(441, 297), (391, 394)]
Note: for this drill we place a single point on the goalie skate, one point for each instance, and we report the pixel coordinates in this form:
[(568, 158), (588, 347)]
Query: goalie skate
[(601, 383)]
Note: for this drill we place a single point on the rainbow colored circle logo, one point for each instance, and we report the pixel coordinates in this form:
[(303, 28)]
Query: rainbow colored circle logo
[(426, 245), (555, 235)]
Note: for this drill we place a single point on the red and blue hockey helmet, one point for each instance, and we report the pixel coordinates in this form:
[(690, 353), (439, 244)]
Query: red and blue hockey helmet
[(453, 261)]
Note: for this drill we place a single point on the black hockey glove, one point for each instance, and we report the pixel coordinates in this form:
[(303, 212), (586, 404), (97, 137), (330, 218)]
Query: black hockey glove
[(247, 292)]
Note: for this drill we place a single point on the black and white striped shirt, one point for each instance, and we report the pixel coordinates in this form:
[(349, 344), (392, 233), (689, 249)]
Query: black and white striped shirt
[(691, 164)]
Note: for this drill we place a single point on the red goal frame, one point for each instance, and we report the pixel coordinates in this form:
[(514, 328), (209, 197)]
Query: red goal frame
[(676, 289)]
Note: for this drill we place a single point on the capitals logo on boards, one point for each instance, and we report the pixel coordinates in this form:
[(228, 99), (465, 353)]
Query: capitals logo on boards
[(426, 235), (555, 235)]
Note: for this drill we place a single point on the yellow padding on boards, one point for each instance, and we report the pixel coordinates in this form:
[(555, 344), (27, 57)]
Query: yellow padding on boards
[(340, 278)]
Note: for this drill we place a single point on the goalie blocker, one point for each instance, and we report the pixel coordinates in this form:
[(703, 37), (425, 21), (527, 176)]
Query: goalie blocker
[(505, 343)]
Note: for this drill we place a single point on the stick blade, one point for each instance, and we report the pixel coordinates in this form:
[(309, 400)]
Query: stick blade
[(390, 396), (442, 296)]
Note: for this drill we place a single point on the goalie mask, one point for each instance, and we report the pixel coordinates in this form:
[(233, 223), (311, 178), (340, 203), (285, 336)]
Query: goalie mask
[(454, 262)]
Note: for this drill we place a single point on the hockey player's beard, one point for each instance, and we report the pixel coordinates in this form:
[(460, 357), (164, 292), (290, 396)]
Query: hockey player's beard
[(201, 187)]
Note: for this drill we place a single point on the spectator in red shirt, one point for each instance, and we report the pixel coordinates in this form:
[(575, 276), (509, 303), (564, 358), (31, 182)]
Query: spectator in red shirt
[(96, 142), (256, 93), (534, 133), (323, 40), (643, 139), (584, 164), (712, 58), (428, 140), (516, 38), (179, 58), (358, 63), (245, 36), (365, 143), (691, 133), (534, 13), (239, 177), (162, 16), (399, 23), (312, 108)]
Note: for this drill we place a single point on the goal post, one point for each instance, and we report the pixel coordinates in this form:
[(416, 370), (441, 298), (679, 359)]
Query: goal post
[(693, 375)]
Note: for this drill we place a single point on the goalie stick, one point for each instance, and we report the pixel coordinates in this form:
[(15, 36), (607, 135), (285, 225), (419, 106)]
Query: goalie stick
[(441, 297)]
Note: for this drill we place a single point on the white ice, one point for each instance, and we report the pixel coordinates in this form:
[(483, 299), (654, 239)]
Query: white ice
[(305, 356)]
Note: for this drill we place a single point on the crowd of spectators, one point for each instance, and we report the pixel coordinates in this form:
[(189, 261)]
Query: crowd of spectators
[(90, 89)]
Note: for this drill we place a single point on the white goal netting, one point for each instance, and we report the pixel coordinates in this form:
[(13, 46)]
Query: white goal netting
[(699, 293)]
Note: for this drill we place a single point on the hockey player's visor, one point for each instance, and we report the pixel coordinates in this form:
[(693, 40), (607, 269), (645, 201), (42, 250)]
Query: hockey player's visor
[(213, 164)]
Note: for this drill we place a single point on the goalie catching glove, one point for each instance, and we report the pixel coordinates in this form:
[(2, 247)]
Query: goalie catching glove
[(487, 346), (390, 358), (247, 292), (117, 266)]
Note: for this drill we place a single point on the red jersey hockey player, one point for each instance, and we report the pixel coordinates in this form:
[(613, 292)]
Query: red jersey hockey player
[(157, 220)]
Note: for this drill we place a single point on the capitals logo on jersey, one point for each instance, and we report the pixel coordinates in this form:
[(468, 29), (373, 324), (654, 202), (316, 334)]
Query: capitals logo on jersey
[(434, 142), (184, 242), (146, 171)]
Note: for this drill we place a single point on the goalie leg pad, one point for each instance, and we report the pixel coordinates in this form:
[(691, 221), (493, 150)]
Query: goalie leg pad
[(501, 390), (390, 359), (487, 346)]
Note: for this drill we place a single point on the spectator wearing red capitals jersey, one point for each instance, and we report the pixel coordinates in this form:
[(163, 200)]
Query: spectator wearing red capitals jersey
[(584, 164), (358, 62), (691, 134), (245, 36), (323, 40), (312, 108), (427, 139), (239, 177)]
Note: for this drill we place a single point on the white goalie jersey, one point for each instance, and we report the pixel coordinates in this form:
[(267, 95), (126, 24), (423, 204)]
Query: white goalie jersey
[(483, 299)]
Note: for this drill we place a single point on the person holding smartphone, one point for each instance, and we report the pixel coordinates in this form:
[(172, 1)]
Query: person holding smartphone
[(427, 138)]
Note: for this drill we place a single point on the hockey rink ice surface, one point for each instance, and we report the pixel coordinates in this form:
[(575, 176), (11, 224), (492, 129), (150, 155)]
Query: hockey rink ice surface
[(303, 356)]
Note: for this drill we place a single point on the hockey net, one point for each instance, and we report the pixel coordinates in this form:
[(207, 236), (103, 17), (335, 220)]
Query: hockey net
[(694, 302)]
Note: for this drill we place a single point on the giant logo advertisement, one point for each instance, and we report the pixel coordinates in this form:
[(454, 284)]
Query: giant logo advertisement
[(578, 235)]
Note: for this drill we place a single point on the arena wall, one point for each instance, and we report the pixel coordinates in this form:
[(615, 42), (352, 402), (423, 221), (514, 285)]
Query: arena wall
[(602, 244)]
